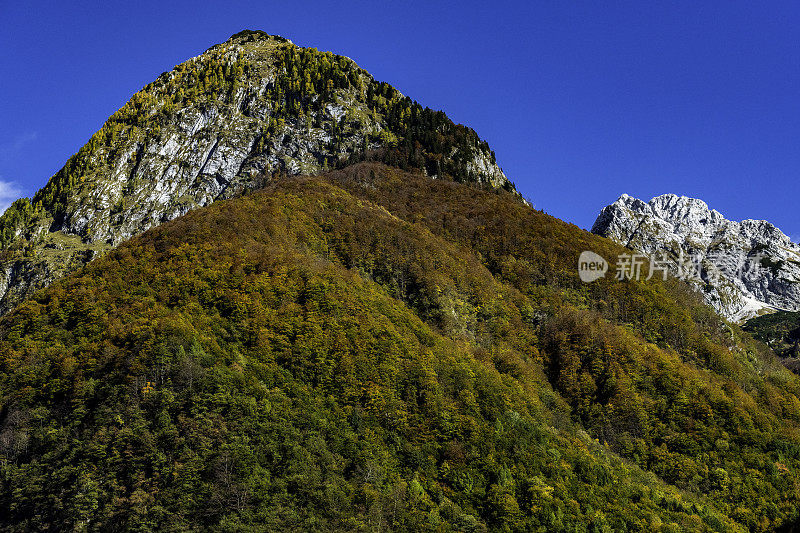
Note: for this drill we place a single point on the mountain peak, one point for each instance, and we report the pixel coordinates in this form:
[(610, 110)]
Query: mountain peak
[(250, 37), (255, 35), (215, 126), (743, 267)]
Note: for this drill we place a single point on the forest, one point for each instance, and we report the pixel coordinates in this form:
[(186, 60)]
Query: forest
[(373, 350)]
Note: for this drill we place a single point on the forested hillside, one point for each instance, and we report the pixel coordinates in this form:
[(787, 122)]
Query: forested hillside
[(371, 349), (781, 332), (213, 127)]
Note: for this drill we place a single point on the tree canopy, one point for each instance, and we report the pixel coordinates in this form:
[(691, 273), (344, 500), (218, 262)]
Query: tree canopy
[(371, 349)]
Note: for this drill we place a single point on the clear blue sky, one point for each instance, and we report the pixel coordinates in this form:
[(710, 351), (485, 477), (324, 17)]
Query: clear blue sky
[(581, 101)]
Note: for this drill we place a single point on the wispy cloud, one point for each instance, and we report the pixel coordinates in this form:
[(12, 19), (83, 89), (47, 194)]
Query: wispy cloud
[(9, 190), (10, 149), (8, 193)]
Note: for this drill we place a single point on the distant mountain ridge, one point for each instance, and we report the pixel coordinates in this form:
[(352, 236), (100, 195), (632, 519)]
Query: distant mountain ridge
[(743, 268), (213, 127)]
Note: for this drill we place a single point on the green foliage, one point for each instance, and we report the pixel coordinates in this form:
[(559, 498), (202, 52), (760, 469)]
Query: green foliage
[(779, 330), (646, 367), (304, 358), (415, 137), (371, 350), (214, 77), (301, 84), (17, 220)]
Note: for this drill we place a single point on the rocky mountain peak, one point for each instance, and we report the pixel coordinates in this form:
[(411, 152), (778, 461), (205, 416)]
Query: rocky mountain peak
[(248, 36), (213, 127), (743, 268)]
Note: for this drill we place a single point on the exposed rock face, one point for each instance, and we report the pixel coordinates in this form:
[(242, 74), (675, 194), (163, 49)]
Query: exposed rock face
[(215, 126), (743, 268)]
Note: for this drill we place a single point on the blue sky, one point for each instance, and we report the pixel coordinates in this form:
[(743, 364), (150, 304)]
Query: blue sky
[(581, 101)]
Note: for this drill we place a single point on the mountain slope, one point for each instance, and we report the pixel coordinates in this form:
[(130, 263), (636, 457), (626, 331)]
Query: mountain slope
[(743, 268), (780, 331), (216, 125), (372, 349)]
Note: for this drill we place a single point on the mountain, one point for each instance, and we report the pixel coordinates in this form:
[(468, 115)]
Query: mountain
[(743, 268), (216, 125), (372, 349), (362, 348), (781, 331)]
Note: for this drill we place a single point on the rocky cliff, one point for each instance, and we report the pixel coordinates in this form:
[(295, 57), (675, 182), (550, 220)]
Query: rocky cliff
[(743, 268), (213, 127)]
